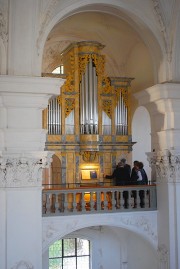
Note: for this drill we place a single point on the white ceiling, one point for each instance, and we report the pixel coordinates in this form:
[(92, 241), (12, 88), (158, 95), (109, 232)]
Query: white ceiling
[(126, 54)]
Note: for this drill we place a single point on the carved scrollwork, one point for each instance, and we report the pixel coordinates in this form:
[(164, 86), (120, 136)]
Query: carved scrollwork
[(83, 61), (89, 156), (106, 86), (107, 107), (99, 62), (69, 106), (69, 84)]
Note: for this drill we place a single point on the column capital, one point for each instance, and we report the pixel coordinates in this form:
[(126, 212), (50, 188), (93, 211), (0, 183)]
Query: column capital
[(166, 164), (23, 169)]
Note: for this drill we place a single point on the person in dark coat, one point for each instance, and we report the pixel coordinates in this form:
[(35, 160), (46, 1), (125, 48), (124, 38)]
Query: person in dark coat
[(126, 165), (142, 180), (134, 173), (122, 177)]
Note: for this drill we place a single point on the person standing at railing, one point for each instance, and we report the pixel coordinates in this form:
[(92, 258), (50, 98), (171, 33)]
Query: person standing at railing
[(139, 177), (126, 165), (142, 180), (121, 175), (134, 173)]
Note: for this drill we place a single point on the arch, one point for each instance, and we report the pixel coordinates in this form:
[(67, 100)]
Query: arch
[(126, 247), (141, 134), (135, 17), (56, 170), (142, 224)]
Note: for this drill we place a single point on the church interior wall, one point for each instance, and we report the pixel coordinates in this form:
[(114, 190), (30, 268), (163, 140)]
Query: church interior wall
[(26, 31)]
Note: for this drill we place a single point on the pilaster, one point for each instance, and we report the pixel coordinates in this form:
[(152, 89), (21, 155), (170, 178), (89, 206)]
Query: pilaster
[(22, 159), (167, 166)]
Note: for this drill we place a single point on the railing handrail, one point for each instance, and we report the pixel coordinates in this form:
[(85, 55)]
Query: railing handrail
[(81, 200), (88, 187)]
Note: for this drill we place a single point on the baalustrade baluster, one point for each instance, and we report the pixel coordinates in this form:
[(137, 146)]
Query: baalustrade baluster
[(146, 198), (83, 203), (131, 199), (137, 199), (66, 202), (56, 204), (48, 204)]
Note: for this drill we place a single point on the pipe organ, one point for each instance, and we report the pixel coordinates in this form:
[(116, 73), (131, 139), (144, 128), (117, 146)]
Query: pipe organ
[(89, 123)]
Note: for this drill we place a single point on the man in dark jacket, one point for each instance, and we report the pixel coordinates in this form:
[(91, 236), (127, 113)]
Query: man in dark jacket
[(121, 175)]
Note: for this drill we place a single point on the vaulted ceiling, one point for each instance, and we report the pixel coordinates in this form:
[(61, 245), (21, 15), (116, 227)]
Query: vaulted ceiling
[(126, 53)]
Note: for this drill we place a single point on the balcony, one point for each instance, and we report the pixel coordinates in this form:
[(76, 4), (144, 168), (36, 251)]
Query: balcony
[(77, 200)]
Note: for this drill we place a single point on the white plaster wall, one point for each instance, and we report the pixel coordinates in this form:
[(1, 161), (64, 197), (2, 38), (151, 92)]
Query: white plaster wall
[(140, 254), (141, 134), (24, 226)]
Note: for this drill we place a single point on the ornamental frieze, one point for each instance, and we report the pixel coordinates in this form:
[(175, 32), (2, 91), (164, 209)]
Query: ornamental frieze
[(22, 171)]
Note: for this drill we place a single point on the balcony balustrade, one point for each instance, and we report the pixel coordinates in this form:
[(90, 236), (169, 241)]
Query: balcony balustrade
[(98, 199)]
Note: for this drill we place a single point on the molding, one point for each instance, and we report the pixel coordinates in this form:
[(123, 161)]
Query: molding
[(32, 85), (23, 170)]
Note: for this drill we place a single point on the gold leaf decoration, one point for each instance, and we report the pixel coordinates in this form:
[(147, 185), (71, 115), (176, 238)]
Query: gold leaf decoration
[(59, 99), (89, 156), (107, 107), (69, 105)]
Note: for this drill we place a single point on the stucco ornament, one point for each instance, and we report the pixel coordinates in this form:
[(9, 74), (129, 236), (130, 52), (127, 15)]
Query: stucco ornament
[(167, 165), (3, 27), (45, 18), (163, 256), (19, 170), (23, 265), (159, 12)]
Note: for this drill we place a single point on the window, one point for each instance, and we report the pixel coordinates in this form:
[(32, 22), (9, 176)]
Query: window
[(59, 70), (71, 253)]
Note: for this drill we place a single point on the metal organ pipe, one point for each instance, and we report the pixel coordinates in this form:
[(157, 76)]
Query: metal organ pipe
[(88, 99), (95, 100), (121, 117), (54, 117)]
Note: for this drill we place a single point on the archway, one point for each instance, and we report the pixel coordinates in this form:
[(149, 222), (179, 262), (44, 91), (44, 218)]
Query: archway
[(141, 134), (122, 12)]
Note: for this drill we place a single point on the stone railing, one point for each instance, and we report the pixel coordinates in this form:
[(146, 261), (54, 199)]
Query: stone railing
[(87, 200)]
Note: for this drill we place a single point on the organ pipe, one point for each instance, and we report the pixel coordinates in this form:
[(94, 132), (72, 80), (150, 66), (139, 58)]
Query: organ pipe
[(88, 99), (54, 117), (121, 117)]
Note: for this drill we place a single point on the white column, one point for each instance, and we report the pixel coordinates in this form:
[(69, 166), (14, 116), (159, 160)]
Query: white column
[(162, 101), (22, 158)]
